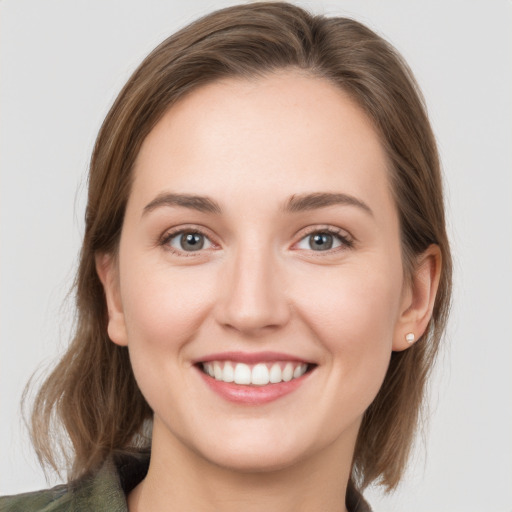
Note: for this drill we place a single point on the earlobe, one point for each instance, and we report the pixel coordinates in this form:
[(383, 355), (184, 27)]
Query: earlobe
[(107, 269), (419, 300)]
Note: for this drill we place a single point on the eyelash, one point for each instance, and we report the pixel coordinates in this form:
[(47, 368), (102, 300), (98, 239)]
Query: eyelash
[(346, 242), (169, 235)]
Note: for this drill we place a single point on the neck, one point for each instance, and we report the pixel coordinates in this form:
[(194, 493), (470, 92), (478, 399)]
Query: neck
[(180, 479)]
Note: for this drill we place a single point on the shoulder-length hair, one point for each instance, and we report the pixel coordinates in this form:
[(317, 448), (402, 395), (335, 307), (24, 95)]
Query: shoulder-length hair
[(92, 392)]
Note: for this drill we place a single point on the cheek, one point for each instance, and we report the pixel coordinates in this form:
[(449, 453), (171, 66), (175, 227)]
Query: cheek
[(163, 306), (352, 304), (353, 312), (163, 310)]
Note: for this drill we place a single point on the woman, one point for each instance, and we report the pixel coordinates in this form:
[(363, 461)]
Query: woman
[(264, 278)]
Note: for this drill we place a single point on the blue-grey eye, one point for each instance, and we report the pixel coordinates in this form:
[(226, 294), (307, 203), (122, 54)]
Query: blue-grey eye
[(320, 241), (189, 241)]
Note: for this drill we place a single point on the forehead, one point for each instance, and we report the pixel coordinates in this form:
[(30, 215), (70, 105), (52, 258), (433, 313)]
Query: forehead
[(287, 132)]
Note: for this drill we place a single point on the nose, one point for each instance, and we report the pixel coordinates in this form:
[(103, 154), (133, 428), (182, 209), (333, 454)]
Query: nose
[(254, 298)]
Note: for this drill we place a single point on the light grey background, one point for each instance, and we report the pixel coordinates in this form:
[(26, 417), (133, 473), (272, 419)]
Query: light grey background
[(62, 63)]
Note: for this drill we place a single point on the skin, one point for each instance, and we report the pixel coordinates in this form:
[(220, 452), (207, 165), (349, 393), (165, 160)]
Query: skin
[(258, 285)]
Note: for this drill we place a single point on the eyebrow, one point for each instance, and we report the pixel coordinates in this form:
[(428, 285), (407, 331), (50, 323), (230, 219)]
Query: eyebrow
[(305, 202), (199, 203), (296, 203)]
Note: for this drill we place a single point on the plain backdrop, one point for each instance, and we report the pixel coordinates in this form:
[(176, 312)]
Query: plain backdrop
[(62, 63)]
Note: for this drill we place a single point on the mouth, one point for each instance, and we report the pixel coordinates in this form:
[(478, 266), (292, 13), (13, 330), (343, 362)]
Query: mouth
[(253, 379), (259, 374)]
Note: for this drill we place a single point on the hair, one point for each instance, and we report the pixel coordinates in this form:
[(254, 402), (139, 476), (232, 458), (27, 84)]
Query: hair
[(92, 393)]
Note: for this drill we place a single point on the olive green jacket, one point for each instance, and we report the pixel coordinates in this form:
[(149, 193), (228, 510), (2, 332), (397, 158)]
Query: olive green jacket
[(106, 491)]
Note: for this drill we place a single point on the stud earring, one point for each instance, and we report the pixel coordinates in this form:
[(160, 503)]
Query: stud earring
[(409, 337)]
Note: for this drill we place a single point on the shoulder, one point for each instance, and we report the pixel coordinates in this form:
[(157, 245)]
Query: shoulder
[(98, 495), (49, 500), (104, 491)]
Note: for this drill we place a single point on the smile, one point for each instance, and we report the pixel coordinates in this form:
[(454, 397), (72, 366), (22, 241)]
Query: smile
[(260, 374), (252, 379)]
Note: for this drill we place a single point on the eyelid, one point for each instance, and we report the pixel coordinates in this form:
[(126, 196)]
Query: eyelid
[(346, 239), (187, 228)]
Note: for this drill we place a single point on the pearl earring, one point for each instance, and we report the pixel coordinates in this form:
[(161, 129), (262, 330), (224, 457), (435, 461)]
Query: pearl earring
[(409, 337)]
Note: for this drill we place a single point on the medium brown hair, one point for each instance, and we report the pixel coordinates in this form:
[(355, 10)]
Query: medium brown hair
[(92, 392)]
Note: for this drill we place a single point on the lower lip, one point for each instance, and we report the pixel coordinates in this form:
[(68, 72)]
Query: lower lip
[(252, 395)]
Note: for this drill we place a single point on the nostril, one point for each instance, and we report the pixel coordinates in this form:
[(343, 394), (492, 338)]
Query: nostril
[(253, 301)]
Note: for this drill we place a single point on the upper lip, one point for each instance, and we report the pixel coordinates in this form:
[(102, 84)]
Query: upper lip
[(250, 357)]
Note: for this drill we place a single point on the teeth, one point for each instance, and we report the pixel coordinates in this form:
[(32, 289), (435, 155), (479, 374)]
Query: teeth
[(275, 373), (242, 374), (217, 371), (297, 372), (228, 374), (288, 372), (260, 374)]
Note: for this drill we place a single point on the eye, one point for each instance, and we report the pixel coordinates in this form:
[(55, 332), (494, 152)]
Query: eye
[(188, 241), (324, 240)]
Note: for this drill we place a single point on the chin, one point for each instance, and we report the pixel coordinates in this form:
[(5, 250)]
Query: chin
[(255, 460), (264, 446)]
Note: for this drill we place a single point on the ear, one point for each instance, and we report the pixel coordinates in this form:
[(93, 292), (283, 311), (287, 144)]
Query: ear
[(107, 269), (418, 298)]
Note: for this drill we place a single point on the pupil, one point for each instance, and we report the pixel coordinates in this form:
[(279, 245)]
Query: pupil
[(192, 241), (321, 241)]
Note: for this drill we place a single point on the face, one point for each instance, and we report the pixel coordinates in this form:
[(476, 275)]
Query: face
[(259, 283)]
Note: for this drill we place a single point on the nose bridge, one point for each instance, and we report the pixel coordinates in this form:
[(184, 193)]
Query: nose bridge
[(254, 296)]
